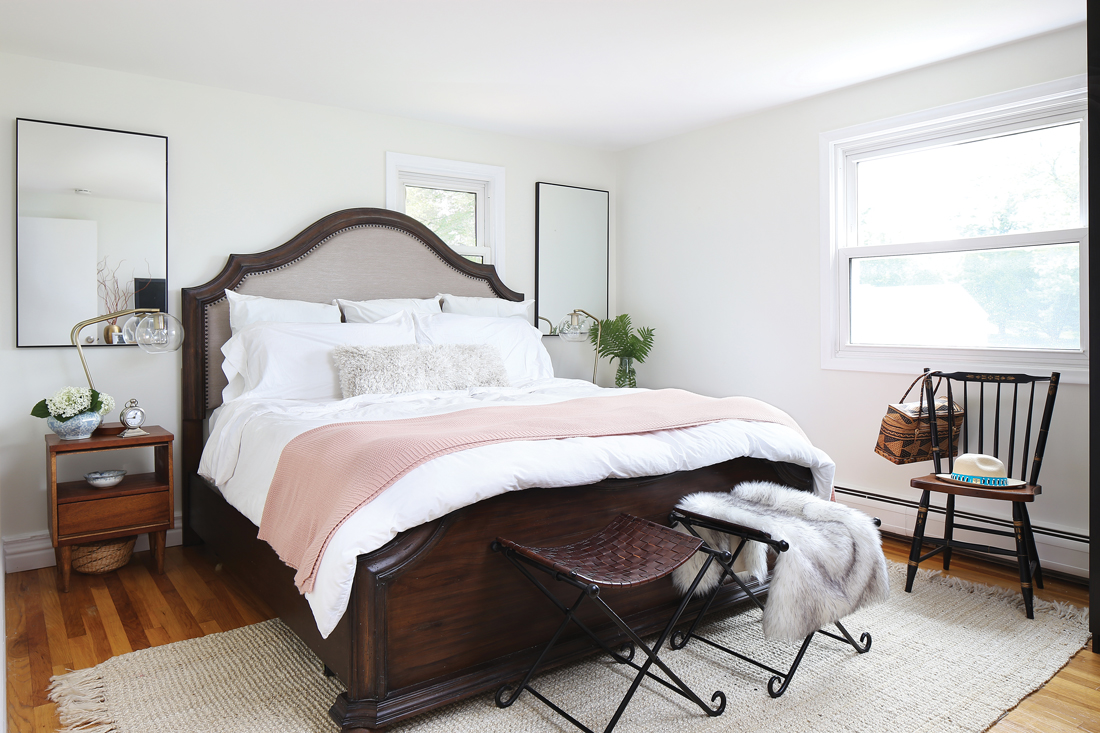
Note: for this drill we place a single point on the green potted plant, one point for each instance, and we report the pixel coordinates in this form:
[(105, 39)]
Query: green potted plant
[(616, 339)]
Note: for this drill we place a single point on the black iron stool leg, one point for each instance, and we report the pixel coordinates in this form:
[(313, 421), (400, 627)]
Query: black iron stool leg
[(652, 658), (786, 678), (865, 638), (918, 540), (503, 702)]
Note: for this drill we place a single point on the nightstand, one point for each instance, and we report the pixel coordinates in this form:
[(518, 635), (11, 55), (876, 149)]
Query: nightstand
[(141, 503)]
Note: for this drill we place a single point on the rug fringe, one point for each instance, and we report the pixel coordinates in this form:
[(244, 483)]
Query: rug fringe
[(1058, 609), (81, 700)]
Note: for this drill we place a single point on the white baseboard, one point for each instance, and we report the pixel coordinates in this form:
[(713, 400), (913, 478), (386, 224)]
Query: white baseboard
[(33, 551), (1056, 553)]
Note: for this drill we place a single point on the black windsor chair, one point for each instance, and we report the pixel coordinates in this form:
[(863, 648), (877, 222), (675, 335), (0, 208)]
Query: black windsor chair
[(1007, 411)]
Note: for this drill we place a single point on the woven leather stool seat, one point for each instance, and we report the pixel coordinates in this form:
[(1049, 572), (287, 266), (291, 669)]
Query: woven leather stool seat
[(628, 552)]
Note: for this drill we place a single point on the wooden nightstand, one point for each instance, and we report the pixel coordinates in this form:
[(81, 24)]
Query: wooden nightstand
[(143, 502)]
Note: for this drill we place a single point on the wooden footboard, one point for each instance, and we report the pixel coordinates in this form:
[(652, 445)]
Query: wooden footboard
[(435, 615)]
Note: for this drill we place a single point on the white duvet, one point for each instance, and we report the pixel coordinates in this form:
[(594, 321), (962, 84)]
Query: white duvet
[(247, 435)]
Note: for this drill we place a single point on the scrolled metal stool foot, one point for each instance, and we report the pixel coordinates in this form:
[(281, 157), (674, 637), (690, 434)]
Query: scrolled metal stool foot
[(678, 640), (502, 692), (782, 688), (862, 646), (721, 697), (626, 653)]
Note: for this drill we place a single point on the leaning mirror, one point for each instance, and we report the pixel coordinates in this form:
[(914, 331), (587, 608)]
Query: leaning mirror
[(571, 250), (92, 229)]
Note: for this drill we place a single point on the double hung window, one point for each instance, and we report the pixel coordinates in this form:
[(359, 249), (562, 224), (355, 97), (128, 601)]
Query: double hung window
[(959, 237)]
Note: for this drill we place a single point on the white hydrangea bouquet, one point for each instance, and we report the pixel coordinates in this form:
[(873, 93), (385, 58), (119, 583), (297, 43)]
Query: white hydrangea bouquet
[(72, 401)]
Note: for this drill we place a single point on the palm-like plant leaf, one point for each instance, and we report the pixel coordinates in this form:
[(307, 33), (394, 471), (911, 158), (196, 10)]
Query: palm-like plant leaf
[(618, 340)]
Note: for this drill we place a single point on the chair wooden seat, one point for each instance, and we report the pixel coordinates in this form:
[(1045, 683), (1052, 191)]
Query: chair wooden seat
[(1027, 492), (1010, 432)]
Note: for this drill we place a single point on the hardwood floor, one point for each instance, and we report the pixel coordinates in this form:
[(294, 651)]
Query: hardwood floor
[(103, 616)]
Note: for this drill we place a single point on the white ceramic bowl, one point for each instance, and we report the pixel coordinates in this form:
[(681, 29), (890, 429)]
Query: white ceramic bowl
[(103, 479)]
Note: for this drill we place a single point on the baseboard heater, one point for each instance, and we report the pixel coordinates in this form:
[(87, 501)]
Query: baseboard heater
[(1071, 536)]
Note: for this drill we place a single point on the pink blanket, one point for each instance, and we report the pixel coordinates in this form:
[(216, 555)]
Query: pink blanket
[(325, 475)]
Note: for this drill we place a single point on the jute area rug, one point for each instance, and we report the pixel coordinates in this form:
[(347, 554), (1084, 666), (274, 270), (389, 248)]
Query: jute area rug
[(951, 656)]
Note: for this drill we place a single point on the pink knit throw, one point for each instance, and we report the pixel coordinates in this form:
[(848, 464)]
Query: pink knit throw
[(325, 474)]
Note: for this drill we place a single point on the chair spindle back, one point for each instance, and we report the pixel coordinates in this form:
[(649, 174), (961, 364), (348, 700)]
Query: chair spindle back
[(1013, 408)]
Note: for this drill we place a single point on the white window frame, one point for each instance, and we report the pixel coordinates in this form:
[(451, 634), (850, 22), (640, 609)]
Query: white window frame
[(486, 181), (841, 150)]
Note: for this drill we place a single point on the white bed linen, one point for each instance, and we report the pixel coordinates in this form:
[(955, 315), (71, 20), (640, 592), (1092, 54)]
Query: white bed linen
[(248, 435)]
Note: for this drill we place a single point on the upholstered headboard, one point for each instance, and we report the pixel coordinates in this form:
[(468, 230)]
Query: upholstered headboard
[(357, 254)]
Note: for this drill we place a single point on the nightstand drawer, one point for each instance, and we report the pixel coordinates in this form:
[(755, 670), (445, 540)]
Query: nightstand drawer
[(104, 515)]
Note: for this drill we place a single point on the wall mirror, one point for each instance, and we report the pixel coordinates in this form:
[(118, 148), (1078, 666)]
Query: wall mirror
[(571, 251), (92, 228)]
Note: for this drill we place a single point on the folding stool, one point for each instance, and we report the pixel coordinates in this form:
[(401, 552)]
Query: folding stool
[(691, 521), (628, 552)]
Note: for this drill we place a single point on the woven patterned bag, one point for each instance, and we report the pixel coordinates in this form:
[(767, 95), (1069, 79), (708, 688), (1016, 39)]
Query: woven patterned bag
[(905, 435)]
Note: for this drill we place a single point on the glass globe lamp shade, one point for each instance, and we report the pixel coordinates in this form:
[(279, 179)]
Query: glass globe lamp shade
[(574, 327), (155, 333)]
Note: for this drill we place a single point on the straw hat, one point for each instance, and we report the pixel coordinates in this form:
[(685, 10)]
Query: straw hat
[(978, 469)]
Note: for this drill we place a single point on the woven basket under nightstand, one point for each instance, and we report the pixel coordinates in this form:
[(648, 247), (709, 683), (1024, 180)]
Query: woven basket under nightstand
[(103, 557)]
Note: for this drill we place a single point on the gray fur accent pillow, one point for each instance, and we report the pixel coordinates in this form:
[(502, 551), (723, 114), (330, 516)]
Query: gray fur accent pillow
[(415, 367)]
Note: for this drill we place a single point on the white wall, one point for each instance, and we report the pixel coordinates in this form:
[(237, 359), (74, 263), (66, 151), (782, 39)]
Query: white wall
[(246, 173), (719, 237)]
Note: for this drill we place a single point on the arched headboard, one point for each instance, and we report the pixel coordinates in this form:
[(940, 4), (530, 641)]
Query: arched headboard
[(356, 254)]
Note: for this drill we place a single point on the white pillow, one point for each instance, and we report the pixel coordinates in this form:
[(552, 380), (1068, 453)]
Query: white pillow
[(295, 360), (519, 343), (493, 307), (245, 310), (369, 311), (418, 367)]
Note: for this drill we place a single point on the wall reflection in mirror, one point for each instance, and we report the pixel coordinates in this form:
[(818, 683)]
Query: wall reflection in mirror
[(571, 251), (92, 231)]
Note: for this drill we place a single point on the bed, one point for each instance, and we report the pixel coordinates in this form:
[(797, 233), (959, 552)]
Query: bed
[(432, 616)]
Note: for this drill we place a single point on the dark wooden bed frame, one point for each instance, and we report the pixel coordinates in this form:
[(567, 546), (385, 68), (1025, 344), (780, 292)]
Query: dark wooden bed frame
[(434, 615)]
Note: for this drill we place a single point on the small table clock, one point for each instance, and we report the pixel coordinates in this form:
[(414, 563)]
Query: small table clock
[(133, 417)]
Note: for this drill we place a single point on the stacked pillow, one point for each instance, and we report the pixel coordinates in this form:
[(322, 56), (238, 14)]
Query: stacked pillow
[(369, 311), (294, 360), (491, 307), (245, 310), (286, 349)]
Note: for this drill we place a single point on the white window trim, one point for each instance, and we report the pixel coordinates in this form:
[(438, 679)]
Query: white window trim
[(1043, 101), (486, 180)]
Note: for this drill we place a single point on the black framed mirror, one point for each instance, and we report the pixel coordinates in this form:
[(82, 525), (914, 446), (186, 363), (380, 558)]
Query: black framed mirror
[(92, 228), (572, 241)]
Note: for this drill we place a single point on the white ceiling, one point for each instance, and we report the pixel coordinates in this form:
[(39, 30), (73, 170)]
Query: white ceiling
[(607, 73)]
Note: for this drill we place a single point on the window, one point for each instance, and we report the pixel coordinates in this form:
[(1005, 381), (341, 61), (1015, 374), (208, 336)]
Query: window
[(463, 203), (958, 237)]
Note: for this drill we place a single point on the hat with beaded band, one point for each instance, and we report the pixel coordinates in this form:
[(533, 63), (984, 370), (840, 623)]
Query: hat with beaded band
[(978, 469)]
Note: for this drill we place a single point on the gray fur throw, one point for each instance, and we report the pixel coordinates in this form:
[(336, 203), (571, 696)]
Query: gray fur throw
[(834, 565), (415, 367)]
